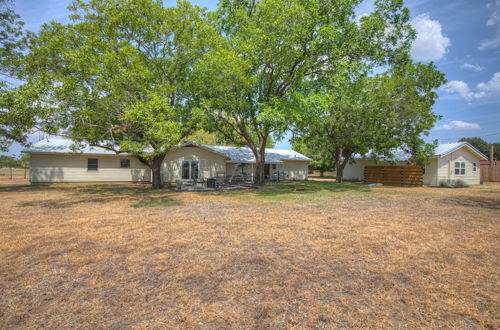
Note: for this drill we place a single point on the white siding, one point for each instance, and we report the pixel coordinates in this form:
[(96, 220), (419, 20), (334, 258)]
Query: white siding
[(210, 162), (296, 170), (47, 168), (446, 167)]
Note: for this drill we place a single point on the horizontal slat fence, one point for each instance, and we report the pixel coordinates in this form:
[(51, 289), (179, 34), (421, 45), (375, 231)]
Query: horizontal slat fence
[(490, 173), (407, 175)]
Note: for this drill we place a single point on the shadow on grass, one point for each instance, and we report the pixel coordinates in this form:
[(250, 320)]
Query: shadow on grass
[(140, 195), (24, 187), (158, 201), (469, 201)]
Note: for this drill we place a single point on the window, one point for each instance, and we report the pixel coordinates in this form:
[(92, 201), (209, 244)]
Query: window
[(274, 166), (459, 168), (92, 164), (124, 163), (194, 170), (190, 169), (185, 169), (474, 167), (423, 170)]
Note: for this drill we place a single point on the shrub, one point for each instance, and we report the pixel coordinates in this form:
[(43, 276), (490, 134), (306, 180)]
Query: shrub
[(460, 184), (444, 183)]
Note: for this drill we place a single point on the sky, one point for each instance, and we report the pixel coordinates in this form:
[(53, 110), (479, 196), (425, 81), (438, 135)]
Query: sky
[(462, 37)]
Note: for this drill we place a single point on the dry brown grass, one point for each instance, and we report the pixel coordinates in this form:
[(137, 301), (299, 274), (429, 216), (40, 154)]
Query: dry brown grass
[(121, 256)]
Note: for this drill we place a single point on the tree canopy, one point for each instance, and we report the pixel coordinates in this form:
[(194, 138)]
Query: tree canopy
[(372, 115), (271, 47), (13, 40), (120, 76)]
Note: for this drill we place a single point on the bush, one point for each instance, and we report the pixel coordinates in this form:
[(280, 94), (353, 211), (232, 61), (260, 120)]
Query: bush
[(460, 184), (444, 183)]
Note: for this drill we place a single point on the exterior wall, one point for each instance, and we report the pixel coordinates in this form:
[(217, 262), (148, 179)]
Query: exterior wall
[(209, 161), (430, 176), (446, 167), (48, 168), (356, 171), (296, 170)]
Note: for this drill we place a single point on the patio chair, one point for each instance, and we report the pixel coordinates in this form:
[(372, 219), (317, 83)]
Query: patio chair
[(220, 177), (229, 179)]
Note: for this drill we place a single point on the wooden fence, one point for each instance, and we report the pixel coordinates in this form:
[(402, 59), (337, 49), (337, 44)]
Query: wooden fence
[(394, 175), (490, 173)]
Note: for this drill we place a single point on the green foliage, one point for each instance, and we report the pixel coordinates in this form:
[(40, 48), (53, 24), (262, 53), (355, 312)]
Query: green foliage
[(120, 76), (270, 48), (444, 183), (11, 161), (460, 184), (370, 115), (13, 39)]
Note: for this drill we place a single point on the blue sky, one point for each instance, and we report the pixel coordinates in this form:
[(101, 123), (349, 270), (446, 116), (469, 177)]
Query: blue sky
[(461, 36)]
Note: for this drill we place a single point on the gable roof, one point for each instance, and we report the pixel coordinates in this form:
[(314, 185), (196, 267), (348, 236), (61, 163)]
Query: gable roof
[(446, 148), (232, 154), (245, 154), (441, 150)]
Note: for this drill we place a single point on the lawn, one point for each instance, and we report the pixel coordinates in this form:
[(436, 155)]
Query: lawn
[(336, 255)]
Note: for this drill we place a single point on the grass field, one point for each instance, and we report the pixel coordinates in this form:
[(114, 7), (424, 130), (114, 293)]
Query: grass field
[(338, 255)]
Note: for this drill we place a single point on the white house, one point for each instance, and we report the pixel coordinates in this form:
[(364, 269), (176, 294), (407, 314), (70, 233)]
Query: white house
[(53, 160), (451, 161)]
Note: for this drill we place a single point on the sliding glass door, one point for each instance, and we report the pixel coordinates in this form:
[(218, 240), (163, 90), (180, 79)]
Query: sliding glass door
[(190, 169)]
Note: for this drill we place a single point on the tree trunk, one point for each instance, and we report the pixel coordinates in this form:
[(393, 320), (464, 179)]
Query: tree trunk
[(260, 163), (321, 173), (155, 165), (340, 169)]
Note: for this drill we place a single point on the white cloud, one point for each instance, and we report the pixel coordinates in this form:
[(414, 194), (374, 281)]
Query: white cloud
[(430, 44), (492, 43), (483, 90), (472, 67), (458, 87), (457, 125), (493, 21), (492, 86)]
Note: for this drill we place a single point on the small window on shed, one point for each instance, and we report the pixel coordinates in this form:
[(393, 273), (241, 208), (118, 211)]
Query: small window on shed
[(124, 163), (474, 167), (92, 164), (459, 168)]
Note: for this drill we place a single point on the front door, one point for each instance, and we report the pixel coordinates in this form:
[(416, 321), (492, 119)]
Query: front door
[(190, 169), (267, 171)]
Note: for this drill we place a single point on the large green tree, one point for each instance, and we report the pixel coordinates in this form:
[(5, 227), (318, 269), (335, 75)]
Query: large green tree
[(13, 40), (374, 115), (271, 47), (120, 76)]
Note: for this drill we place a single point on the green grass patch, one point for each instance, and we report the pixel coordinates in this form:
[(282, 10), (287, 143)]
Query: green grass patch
[(312, 190), (157, 202), (323, 177)]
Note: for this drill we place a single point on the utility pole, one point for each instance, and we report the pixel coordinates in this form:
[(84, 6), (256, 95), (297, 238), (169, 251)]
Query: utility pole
[(491, 154)]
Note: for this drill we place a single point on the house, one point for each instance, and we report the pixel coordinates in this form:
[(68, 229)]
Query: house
[(451, 161), (53, 160)]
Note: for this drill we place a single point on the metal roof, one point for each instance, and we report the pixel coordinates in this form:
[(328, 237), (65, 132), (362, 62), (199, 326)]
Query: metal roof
[(233, 154), (440, 151), (245, 154)]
